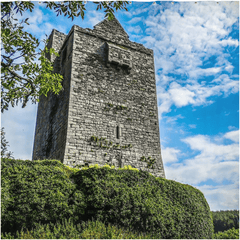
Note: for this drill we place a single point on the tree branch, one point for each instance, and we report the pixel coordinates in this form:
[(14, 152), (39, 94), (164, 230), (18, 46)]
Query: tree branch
[(17, 75)]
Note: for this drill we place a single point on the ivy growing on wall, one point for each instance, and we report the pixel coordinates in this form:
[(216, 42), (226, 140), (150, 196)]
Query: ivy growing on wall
[(115, 108), (120, 108), (150, 161), (103, 143)]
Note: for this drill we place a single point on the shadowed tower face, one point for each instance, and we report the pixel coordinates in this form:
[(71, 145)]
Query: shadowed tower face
[(107, 112)]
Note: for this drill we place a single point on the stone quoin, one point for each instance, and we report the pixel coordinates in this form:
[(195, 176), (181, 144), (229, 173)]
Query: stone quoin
[(107, 111)]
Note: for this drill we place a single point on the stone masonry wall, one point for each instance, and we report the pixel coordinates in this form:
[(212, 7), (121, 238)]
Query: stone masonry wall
[(112, 103), (52, 116), (107, 112)]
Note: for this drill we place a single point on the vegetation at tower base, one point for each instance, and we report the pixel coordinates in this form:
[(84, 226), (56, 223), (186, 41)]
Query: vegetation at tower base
[(34, 192), (68, 230), (43, 192), (228, 234)]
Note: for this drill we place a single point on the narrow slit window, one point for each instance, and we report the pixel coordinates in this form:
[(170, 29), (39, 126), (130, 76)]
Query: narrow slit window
[(118, 132)]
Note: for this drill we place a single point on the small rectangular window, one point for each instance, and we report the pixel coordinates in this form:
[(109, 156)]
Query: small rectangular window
[(118, 132)]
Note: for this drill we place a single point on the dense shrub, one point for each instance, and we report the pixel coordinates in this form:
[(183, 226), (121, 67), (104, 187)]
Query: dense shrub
[(144, 203), (35, 191), (44, 191), (229, 234), (225, 220), (68, 230)]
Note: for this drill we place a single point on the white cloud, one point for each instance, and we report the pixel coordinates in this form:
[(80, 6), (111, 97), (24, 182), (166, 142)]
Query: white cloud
[(184, 37), (229, 42), (203, 168), (35, 19), (194, 93), (95, 17), (170, 155), (224, 197), (140, 9), (20, 130), (233, 135), (174, 118), (180, 96), (135, 20), (135, 29), (129, 14), (40, 23), (165, 104), (229, 68), (204, 72), (214, 161), (232, 128), (211, 150)]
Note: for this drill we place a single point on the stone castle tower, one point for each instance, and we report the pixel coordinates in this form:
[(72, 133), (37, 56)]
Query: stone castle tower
[(107, 111)]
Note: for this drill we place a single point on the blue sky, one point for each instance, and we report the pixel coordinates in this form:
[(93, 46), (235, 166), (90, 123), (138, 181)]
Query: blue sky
[(196, 53)]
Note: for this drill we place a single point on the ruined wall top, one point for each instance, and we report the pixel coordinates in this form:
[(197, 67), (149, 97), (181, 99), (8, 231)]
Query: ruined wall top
[(112, 27), (55, 40), (108, 30)]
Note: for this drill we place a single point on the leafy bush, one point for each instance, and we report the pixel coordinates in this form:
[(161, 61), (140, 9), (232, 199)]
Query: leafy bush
[(47, 231), (68, 230), (45, 191), (98, 230), (35, 191), (225, 220), (229, 234), (144, 203), (4, 146)]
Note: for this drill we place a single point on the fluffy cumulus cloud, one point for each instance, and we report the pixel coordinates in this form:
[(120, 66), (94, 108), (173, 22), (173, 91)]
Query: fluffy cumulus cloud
[(136, 29), (222, 196), (213, 161), (95, 17), (194, 93), (38, 22), (41, 23), (170, 155), (233, 135), (191, 43), (135, 20)]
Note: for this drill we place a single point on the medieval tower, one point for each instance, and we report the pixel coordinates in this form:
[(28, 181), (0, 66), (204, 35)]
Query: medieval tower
[(107, 111)]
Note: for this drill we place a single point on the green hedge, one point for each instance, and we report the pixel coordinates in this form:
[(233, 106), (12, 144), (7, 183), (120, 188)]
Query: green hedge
[(45, 191), (229, 234), (146, 204), (35, 191), (225, 220), (68, 230)]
